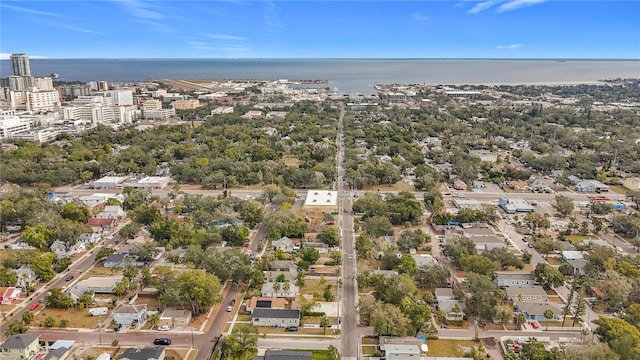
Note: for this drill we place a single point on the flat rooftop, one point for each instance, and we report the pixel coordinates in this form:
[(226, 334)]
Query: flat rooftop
[(321, 198)]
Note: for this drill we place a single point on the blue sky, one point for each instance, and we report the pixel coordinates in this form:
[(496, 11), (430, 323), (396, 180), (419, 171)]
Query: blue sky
[(320, 29)]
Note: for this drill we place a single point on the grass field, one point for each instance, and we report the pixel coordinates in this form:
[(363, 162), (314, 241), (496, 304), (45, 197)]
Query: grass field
[(449, 347), (77, 318), (313, 286), (575, 239), (618, 189)]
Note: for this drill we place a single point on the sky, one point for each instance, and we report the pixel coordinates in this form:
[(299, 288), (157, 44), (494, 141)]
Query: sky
[(320, 29)]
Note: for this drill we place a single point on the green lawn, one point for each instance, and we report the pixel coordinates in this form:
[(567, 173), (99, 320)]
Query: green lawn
[(575, 239), (316, 354), (449, 347), (618, 189)]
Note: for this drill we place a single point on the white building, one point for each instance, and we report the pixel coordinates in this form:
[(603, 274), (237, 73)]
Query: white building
[(162, 114), (153, 182), (322, 200), (39, 135), (109, 182), (13, 125), (121, 97), (151, 104), (35, 100)]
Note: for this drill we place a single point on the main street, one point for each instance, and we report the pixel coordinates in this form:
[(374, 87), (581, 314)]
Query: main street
[(350, 333)]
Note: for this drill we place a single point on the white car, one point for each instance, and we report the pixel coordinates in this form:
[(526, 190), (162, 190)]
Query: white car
[(164, 328)]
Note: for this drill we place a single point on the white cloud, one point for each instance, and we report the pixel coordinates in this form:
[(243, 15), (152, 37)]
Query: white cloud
[(226, 37), (271, 18), (29, 11), (517, 4), (7, 56), (509, 47), (482, 6), (418, 16), (142, 9)]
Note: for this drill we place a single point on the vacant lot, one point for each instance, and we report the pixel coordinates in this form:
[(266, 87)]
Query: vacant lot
[(77, 318), (450, 347)]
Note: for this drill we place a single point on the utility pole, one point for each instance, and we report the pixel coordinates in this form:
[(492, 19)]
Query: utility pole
[(100, 331)]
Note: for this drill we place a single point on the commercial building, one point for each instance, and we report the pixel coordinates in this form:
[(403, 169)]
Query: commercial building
[(512, 206), (591, 186), (322, 200), (13, 125), (153, 182), (109, 182), (186, 104), (20, 65)]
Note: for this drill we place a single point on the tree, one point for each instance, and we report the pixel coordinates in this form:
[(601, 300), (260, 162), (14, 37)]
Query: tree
[(622, 337), (579, 308), (432, 275), (8, 277), (478, 264), (332, 353), (129, 231), (64, 323), (544, 244), (504, 258), (593, 351), (536, 221), (616, 286), (235, 234), (632, 315), (42, 266), (324, 322), (504, 313), (486, 295), (49, 321), (418, 312), (458, 247), (307, 306), (27, 317), (75, 212), (548, 314), (242, 343), (284, 223), (388, 319), (548, 276), (564, 205), (38, 236), (520, 319), (16, 327), (376, 226), (103, 252), (411, 239), (364, 246), (329, 236), (392, 289), (309, 255)]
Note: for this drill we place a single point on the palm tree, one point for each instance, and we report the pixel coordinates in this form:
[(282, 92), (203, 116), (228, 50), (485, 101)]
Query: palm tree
[(324, 322), (548, 314), (520, 319)]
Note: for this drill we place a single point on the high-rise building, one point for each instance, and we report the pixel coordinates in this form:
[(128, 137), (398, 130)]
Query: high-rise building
[(20, 65)]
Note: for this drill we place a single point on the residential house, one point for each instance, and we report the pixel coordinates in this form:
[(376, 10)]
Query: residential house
[(264, 303), (102, 224), (59, 350), (21, 346), (89, 238), (284, 355), (445, 299), (424, 259), (568, 256), (284, 243), (94, 285), (275, 289), (591, 186), (289, 275), (175, 317), (401, 352), (513, 278), (26, 276), (535, 310), (9, 294), (60, 248), (458, 184), (146, 353), (130, 314), (117, 260), (112, 212), (526, 293), (276, 317), (289, 265)]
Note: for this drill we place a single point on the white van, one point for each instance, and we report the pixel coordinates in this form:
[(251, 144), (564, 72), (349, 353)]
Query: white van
[(98, 311)]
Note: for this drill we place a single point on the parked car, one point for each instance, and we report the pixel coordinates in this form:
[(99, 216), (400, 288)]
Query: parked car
[(291, 328), (331, 222), (117, 327), (162, 341), (164, 328), (534, 324), (34, 306), (230, 308), (69, 278)]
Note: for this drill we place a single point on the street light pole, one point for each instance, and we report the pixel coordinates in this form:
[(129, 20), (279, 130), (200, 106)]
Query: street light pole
[(100, 331), (193, 345)]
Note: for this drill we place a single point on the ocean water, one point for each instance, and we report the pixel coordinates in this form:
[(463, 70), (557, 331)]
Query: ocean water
[(348, 75)]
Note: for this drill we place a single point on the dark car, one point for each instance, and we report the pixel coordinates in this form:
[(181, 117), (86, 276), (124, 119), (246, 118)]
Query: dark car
[(291, 328), (162, 341), (69, 278), (117, 327)]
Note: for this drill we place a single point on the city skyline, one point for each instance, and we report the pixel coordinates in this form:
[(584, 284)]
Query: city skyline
[(313, 29)]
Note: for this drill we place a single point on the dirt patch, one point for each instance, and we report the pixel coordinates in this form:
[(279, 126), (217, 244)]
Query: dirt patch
[(489, 342)]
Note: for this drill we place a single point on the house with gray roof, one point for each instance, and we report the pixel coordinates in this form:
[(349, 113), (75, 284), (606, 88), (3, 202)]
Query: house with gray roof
[(130, 314), (535, 310), (284, 243), (275, 317), (117, 260), (526, 293), (21, 346), (513, 278), (146, 353), (285, 355)]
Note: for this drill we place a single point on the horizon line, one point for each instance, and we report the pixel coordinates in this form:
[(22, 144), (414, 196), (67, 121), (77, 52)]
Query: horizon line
[(335, 58)]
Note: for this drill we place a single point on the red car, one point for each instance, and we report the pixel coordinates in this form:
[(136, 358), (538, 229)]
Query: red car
[(34, 306), (534, 324), (331, 222)]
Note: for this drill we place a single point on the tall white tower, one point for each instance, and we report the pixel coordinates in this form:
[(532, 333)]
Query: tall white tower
[(20, 65)]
